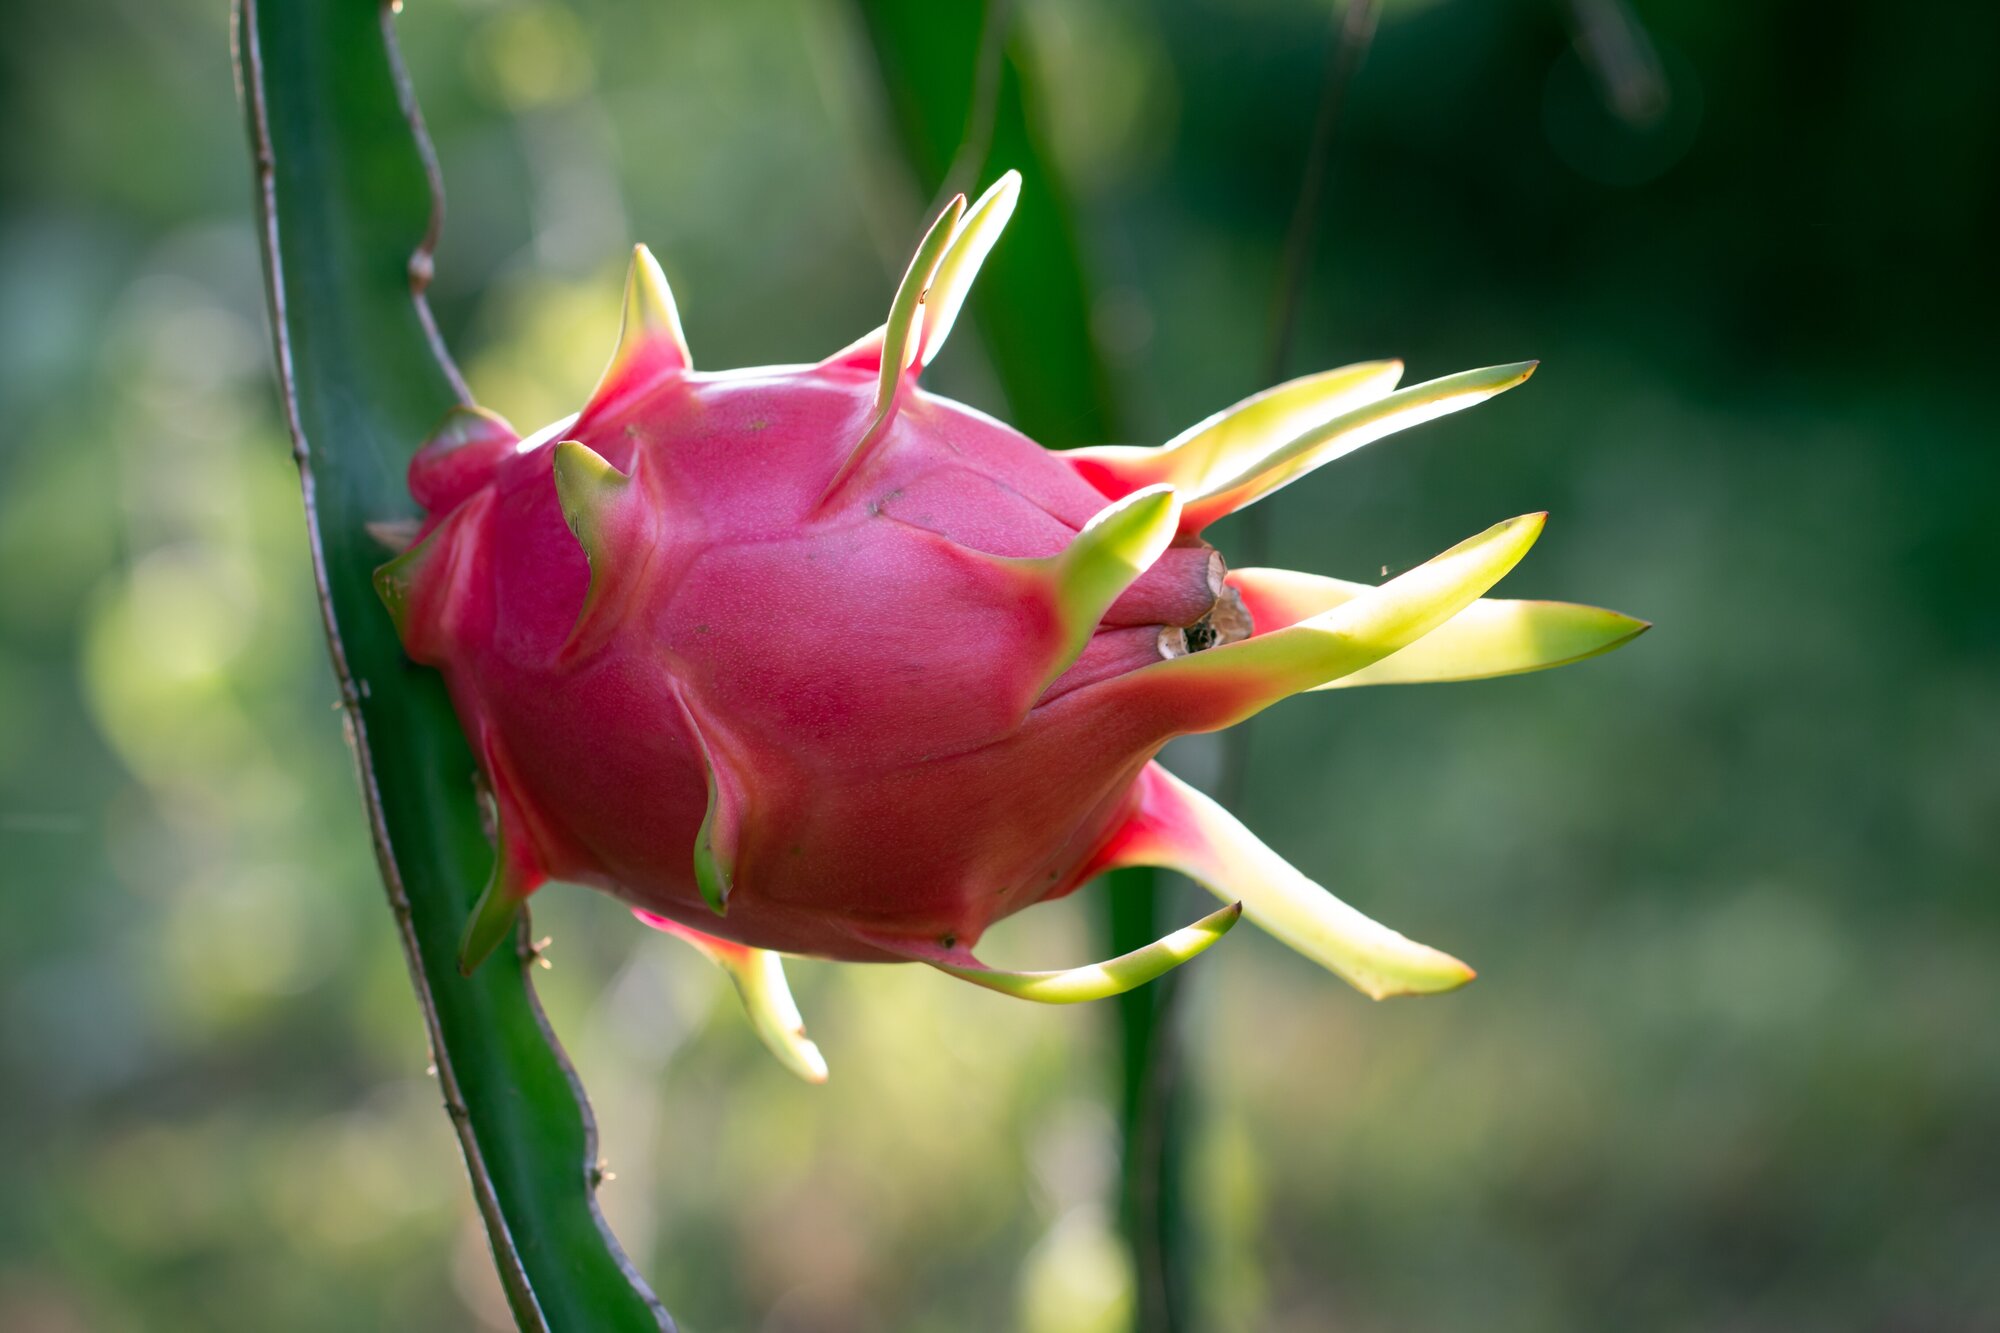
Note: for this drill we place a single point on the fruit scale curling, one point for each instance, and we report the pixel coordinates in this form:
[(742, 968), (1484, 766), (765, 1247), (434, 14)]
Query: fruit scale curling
[(807, 660)]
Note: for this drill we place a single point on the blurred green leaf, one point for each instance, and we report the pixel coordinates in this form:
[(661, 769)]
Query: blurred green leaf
[(347, 198)]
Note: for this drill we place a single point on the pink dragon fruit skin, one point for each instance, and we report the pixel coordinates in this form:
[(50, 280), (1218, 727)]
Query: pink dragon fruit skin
[(807, 660)]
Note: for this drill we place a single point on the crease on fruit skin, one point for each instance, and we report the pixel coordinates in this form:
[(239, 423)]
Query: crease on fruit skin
[(806, 659)]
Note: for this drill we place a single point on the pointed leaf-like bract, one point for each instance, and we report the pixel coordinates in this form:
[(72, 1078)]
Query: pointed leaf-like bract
[(1234, 438), (1120, 543), (759, 978), (419, 588), (401, 582), (517, 869), (1492, 637), (650, 340), (714, 863), (1177, 827), (721, 829), (971, 241), (492, 917), (594, 497), (759, 975), (1093, 981), (1258, 473), (901, 339), (1207, 691)]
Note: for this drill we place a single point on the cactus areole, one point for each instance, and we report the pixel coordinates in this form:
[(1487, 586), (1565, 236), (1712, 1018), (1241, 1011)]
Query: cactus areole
[(807, 660)]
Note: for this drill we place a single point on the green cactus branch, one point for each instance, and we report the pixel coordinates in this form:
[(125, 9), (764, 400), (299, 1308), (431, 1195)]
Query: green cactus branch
[(349, 205)]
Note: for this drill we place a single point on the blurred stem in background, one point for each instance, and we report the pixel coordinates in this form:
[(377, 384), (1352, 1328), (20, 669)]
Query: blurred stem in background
[(1153, 1108), (1153, 1111), (1347, 46), (1353, 30), (962, 95)]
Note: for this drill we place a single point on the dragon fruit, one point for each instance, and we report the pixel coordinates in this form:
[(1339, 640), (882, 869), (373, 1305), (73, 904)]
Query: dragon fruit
[(807, 660)]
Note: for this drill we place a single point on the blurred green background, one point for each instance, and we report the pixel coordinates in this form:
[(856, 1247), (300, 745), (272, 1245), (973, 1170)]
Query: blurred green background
[(1730, 1062)]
